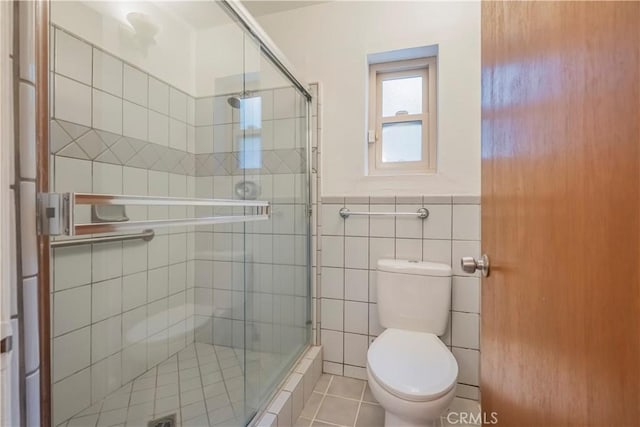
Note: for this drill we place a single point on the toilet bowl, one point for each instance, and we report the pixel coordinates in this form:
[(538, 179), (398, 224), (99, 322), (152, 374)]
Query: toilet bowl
[(411, 372)]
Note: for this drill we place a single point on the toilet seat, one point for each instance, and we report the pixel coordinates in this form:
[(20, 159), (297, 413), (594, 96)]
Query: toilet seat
[(414, 366)]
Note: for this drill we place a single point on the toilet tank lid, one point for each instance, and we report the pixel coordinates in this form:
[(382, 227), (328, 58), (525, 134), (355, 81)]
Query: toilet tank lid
[(422, 268)]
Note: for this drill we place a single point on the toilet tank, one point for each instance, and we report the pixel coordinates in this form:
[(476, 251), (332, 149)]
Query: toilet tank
[(413, 295)]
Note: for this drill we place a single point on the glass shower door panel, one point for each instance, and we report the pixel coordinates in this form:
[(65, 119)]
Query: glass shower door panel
[(276, 272)]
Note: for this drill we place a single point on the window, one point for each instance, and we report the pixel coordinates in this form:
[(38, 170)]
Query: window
[(402, 117), (250, 139)]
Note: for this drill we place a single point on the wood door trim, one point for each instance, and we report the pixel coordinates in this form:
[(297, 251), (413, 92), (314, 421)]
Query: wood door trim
[(42, 186)]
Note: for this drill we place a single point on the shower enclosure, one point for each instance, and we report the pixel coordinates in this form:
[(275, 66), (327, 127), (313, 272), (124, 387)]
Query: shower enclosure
[(178, 210)]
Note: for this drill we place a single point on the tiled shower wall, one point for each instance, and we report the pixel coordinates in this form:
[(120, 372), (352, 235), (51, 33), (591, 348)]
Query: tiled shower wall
[(120, 308), (349, 250)]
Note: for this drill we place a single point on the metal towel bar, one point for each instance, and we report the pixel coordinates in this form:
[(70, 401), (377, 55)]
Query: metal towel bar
[(56, 212), (422, 213), (146, 235)]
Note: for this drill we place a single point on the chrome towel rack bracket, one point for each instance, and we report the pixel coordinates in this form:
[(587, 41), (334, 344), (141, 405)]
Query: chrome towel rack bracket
[(422, 213)]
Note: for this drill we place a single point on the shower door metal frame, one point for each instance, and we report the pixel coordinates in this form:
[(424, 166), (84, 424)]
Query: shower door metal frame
[(42, 186)]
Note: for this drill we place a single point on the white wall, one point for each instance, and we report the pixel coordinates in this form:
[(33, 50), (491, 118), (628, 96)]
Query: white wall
[(329, 43)]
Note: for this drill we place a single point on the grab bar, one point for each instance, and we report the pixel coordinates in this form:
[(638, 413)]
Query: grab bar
[(422, 213), (56, 212), (146, 235)]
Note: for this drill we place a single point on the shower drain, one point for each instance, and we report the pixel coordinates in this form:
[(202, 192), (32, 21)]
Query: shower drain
[(166, 421)]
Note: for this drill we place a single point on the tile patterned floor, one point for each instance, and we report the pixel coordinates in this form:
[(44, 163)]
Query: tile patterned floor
[(202, 384), (348, 402)]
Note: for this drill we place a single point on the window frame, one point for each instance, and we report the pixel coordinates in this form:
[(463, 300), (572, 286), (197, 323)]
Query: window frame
[(379, 72)]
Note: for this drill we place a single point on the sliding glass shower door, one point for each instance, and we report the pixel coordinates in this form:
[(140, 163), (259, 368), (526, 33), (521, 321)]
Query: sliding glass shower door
[(273, 158), (180, 283)]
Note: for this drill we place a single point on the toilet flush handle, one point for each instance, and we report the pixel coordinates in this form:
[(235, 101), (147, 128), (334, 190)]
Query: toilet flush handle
[(470, 264)]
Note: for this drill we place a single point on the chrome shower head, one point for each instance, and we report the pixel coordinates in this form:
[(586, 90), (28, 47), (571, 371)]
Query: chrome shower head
[(234, 101)]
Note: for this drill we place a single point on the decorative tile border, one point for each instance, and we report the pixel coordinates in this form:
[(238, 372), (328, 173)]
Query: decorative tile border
[(81, 142)]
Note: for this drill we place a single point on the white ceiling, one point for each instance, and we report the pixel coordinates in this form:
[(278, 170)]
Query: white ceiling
[(206, 14), (265, 7)]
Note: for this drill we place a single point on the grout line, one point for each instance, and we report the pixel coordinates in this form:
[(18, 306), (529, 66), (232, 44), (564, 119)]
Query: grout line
[(364, 387)]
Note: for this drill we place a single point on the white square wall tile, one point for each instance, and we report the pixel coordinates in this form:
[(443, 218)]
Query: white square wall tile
[(332, 283), (71, 267), (29, 251), (333, 251), (71, 395), (106, 261), (356, 317), (332, 223), (106, 377), (332, 345), (284, 103), (410, 249), (438, 225), (191, 110), (76, 301), (134, 290), (356, 285), (222, 111), (72, 57), (158, 285), (356, 252), (107, 112), (136, 85), (375, 328), (204, 139), (107, 178), (177, 134), (177, 104), (382, 225), (409, 227), (72, 101), (355, 349), (355, 225), (135, 121), (158, 96), (107, 338), (204, 111), (30, 329), (72, 175), (466, 294), (465, 330), (468, 365), (106, 299), (158, 128), (332, 315), (33, 396), (436, 251), (223, 141), (466, 222), (107, 73), (284, 134), (380, 248), (27, 131)]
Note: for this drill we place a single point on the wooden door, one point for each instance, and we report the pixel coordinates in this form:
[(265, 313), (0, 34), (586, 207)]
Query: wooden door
[(561, 213)]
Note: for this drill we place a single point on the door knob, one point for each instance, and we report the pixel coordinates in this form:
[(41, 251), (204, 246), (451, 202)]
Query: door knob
[(470, 264)]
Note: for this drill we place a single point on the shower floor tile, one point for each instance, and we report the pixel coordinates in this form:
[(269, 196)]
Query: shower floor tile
[(202, 384)]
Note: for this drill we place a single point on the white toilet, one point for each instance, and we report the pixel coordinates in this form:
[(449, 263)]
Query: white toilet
[(411, 372)]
